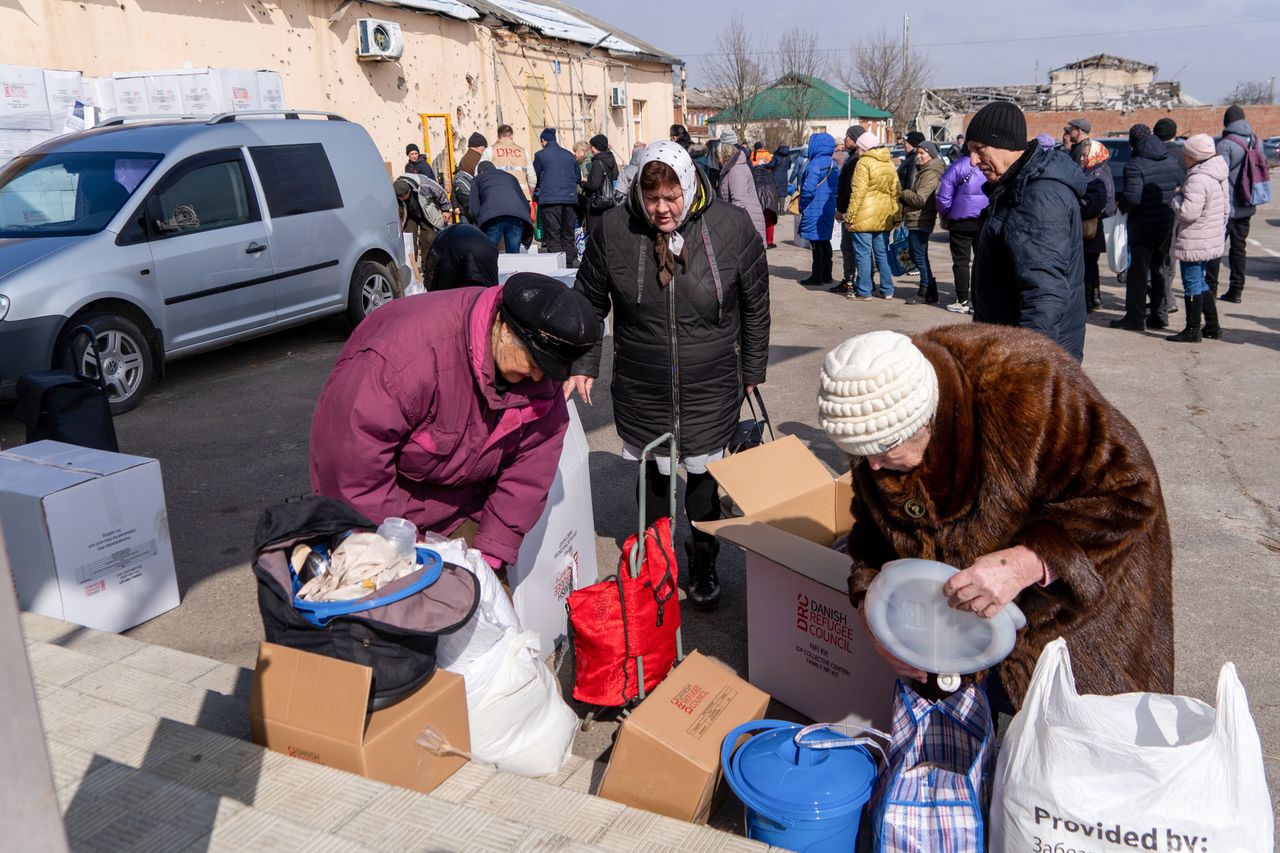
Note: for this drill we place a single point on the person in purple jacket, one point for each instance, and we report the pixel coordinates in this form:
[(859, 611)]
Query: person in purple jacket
[(448, 409), (960, 202)]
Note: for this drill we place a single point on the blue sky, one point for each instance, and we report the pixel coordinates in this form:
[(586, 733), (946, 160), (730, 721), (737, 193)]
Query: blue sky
[(974, 43)]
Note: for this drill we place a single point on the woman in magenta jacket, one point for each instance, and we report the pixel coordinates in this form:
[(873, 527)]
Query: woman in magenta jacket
[(447, 408)]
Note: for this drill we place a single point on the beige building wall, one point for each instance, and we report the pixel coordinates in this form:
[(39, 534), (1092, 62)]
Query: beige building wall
[(1072, 87), (474, 74)]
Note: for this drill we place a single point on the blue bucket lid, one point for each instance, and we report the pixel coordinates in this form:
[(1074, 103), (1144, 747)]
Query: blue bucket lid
[(774, 775)]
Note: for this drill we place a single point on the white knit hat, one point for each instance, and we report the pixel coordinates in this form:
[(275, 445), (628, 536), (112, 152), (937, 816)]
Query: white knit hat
[(867, 141), (877, 391)]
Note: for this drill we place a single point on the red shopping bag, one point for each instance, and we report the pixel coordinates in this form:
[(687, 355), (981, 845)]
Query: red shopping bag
[(625, 628)]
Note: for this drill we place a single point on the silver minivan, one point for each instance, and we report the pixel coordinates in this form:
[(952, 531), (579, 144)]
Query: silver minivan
[(173, 237)]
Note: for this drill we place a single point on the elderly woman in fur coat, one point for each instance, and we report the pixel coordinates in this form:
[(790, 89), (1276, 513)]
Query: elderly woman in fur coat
[(987, 447)]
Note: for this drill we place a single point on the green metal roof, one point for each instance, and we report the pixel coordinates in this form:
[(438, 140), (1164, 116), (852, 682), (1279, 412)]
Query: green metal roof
[(830, 103)]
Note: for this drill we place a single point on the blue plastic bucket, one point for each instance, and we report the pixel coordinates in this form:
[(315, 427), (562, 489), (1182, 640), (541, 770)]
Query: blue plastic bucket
[(803, 788)]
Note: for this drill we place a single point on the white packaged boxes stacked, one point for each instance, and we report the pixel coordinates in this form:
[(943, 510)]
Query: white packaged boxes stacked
[(86, 535), (34, 105)]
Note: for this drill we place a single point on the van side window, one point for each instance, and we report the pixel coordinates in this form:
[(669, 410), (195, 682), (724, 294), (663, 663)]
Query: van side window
[(202, 199), (296, 178)]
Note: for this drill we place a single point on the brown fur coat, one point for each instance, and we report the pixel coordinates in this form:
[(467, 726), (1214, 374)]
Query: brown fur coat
[(1025, 451)]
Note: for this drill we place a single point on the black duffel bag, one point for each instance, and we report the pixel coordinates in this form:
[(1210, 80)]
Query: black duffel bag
[(67, 406), (396, 640)]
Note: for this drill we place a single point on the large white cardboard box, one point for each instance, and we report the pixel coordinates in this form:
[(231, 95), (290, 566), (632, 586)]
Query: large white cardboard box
[(806, 645), (131, 95), (87, 534), (24, 102), (547, 263), (164, 94), (559, 554)]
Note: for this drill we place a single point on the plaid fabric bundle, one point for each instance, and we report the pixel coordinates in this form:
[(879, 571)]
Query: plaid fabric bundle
[(932, 797)]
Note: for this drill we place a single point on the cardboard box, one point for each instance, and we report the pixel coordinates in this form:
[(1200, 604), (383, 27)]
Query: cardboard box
[(558, 554), (199, 93), (62, 89), (314, 707), (164, 94), (806, 644), (547, 263), (131, 95), (236, 88), (87, 534), (24, 103), (270, 90), (100, 93), (667, 755)]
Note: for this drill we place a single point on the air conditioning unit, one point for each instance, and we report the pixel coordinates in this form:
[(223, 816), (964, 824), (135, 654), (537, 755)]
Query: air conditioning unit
[(378, 40), (617, 97)]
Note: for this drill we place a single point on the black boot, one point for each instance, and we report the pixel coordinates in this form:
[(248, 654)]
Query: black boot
[(931, 296), (704, 583), (1209, 304), (1093, 297), (1232, 295), (1191, 334)]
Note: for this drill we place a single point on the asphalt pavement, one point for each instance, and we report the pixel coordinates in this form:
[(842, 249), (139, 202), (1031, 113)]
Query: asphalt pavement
[(230, 430)]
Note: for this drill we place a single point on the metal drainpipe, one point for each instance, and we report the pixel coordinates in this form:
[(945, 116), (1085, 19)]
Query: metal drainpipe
[(627, 111), (497, 81)]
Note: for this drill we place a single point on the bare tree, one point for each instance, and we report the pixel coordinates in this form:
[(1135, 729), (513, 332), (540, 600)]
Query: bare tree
[(1253, 92), (798, 61), (883, 73), (735, 74)]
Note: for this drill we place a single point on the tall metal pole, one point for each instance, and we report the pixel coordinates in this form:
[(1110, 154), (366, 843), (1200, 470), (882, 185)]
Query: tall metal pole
[(906, 45)]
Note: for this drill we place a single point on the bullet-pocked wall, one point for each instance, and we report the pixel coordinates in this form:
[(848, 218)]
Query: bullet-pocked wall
[(479, 76)]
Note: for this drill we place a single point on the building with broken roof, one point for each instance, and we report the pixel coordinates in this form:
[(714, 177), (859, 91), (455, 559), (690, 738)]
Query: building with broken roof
[(1102, 82), (528, 63)]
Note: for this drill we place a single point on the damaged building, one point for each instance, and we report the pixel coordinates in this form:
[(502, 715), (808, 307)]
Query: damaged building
[(1096, 83), (528, 63)]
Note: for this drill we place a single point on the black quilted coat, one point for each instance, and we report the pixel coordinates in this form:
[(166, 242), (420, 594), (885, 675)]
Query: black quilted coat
[(696, 365)]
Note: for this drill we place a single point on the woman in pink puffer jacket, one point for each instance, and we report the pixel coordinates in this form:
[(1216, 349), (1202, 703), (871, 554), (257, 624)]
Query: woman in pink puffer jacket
[(1202, 205)]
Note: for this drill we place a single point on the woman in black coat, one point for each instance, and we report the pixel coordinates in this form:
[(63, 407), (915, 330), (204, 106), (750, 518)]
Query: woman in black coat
[(1149, 181), (1098, 203), (688, 283)]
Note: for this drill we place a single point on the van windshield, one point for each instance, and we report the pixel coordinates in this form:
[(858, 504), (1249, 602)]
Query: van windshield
[(66, 194)]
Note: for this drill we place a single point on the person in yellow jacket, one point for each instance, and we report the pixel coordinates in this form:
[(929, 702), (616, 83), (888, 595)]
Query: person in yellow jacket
[(872, 213)]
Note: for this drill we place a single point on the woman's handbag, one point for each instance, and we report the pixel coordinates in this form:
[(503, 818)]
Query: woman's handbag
[(750, 431), (933, 794), (1138, 771)]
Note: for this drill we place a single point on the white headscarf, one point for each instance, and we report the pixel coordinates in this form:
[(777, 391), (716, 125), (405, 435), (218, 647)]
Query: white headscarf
[(666, 151)]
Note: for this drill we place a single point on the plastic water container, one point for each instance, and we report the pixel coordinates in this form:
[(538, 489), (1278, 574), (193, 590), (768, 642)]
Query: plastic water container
[(402, 533), (803, 787), (908, 613)]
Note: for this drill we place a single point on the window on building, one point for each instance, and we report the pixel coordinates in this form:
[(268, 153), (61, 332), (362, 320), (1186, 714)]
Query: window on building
[(637, 119), (296, 178)]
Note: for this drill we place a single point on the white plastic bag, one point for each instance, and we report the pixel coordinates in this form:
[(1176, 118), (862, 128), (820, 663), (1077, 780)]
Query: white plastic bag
[(519, 722), (1140, 771), (1116, 231), (465, 651)]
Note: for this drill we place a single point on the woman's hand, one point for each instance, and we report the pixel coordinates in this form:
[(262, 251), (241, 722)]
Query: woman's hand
[(994, 580), (581, 384), (905, 670)]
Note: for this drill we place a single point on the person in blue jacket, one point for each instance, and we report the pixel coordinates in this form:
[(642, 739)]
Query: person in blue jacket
[(1028, 269), (557, 195), (818, 205)]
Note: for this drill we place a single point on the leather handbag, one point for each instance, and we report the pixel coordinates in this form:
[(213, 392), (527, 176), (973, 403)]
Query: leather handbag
[(750, 432)]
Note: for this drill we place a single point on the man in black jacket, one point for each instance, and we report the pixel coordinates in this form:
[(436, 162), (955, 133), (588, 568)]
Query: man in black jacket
[(499, 207), (1149, 181), (1028, 268), (1237, 138), (907, 168), (557, 195), (844, 188)]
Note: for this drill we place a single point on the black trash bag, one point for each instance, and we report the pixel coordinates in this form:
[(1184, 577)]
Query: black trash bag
[(397, 641)]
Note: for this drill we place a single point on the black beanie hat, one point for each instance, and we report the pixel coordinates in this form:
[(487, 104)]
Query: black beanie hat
[(1137, 133), (477, 140), (855, 131), (600, 142), (1165, 129), (1234, 113), (999, 124), (410, 148), (915, 137)]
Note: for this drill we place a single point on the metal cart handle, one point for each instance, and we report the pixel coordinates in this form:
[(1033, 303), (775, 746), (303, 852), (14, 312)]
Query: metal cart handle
[(637, 553)]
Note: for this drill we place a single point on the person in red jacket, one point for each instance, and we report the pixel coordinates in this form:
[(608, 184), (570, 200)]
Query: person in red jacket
[(447, 409)]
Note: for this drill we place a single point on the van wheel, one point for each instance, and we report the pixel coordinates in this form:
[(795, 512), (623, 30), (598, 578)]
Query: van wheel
[(127, 365), (372, 286)]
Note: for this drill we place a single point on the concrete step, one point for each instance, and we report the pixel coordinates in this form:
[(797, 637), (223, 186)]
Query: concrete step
[(150, 751)]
